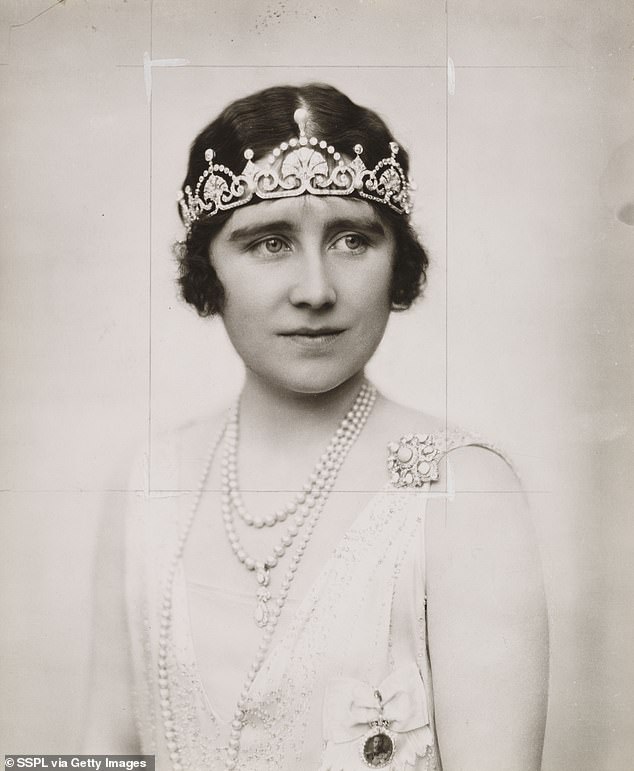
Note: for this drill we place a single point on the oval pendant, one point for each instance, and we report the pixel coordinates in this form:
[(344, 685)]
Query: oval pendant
[(262, 609), (377, 747), (261, 614)]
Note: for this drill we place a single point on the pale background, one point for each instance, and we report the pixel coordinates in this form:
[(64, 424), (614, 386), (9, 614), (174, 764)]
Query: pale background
[(525, 333)]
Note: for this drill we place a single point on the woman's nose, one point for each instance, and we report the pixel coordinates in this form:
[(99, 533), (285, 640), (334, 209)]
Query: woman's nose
[(313, 286)]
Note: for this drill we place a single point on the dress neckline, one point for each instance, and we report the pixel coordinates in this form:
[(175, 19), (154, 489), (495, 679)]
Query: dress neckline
[(183, 605), (445, 441)]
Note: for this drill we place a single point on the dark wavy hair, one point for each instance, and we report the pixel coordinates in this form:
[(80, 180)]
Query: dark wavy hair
[(262, 121)]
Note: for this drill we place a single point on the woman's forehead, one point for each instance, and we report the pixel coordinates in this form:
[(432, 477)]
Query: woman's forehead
[(302, 210)]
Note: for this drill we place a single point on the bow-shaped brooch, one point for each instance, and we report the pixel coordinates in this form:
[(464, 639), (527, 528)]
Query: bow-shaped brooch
[(376, 726)]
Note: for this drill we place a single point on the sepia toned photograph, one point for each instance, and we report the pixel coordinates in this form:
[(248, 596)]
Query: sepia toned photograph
[(317, 385)]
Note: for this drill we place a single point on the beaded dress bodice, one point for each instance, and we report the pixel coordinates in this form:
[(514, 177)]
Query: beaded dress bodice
[(361, 624)]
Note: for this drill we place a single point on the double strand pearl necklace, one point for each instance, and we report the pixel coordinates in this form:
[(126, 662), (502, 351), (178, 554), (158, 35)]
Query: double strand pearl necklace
[(339, 446), (313, 496)]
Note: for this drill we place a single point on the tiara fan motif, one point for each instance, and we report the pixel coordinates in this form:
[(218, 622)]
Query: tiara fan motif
[(303, 165)]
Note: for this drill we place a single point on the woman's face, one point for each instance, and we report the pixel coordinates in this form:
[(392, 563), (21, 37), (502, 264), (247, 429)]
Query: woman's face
[(307, 288)]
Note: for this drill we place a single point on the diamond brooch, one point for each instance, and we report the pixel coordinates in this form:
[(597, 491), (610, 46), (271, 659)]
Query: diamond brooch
[(413, 460)]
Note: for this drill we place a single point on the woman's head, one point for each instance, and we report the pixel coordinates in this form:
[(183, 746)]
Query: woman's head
[(263, 121)]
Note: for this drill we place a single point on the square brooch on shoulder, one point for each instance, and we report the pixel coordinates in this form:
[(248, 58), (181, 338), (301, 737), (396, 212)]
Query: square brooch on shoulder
[(413, 460)]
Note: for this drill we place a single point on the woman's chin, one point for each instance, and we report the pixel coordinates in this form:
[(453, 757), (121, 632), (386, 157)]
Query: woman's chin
[(310, 381)]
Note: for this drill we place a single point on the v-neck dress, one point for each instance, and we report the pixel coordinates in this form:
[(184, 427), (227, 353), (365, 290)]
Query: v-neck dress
[(360, 628)]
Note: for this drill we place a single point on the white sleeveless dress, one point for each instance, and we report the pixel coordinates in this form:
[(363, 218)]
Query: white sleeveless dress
[(361, 628)]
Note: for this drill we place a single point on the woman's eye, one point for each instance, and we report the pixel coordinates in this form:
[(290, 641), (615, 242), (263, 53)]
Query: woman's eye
[(352, 242), (271, 245)]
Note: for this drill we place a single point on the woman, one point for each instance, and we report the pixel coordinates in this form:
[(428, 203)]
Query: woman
[(328, 591)]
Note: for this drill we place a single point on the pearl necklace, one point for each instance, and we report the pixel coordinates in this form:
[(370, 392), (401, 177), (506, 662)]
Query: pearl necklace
[(313, 496), (350, 430), (299, 501)]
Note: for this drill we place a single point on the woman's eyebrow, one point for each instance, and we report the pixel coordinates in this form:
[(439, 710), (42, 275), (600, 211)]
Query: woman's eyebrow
[(260, 228), (368, 225)]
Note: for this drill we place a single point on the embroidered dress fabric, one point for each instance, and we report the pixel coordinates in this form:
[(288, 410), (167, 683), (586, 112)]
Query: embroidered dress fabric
[(361, 628)]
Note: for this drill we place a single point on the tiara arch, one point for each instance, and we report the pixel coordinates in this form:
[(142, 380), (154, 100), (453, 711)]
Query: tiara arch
[(302, 165)]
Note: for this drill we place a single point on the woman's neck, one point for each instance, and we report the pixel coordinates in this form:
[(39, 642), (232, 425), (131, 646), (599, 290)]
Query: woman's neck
[(269, 413)]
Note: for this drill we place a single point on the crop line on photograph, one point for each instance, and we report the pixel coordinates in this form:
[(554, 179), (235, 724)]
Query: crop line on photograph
[(148, 86), (192, 491), (190, 66), (449, 495), (186, 65), (450, 88)]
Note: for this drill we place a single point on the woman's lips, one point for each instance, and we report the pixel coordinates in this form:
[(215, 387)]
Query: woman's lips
[(314, 338)]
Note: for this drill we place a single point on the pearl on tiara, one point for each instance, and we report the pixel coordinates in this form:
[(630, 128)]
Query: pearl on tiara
[(300, 116)]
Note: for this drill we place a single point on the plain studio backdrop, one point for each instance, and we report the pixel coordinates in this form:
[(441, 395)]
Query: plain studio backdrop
[(518, 117)]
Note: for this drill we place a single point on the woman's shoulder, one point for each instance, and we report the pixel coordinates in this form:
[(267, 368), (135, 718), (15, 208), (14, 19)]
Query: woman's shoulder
[(423, 447), (194, 437), (174, 457)]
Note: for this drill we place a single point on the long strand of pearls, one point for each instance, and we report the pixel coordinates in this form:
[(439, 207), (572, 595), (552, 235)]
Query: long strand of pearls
[(331, 461), (166, 611)]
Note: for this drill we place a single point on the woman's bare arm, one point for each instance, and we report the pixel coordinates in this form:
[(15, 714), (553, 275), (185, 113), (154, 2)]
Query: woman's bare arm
[(487, 621)]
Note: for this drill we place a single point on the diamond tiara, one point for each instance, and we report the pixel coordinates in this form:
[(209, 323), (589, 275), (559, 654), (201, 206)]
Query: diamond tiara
[(301, 165)]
